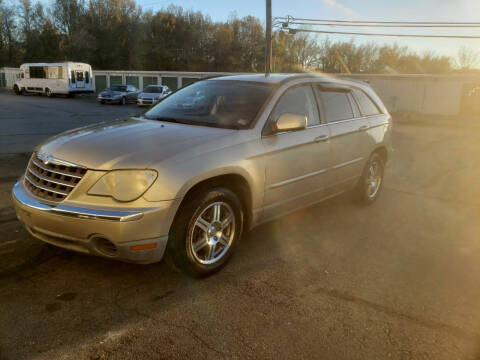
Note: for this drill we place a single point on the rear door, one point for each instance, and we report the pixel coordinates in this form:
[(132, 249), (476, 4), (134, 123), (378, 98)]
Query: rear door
[(348, 135), (296, 161), (80, 79)]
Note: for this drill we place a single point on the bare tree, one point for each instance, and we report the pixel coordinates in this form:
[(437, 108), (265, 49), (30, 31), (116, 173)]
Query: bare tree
[(467, 58)]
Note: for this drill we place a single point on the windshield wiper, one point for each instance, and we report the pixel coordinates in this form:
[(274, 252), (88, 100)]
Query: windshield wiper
[(168, 119), (197, 123)]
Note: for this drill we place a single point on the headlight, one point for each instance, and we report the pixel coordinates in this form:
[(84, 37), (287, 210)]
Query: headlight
[(124, 185)]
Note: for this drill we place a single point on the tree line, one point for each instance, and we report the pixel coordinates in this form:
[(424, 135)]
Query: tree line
[(119, 34)]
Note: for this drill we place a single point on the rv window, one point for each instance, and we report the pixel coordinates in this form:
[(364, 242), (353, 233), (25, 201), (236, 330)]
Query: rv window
[(60, 72), (37, 72), (22, 75), (72, 73), (52, 72), (87, 77)]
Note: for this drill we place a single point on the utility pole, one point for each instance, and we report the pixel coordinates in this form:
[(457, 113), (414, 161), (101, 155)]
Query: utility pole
[(268, 37)]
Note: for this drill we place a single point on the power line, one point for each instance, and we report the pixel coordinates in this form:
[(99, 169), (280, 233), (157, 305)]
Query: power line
[(293, 31), (291, 18), (378, 25)]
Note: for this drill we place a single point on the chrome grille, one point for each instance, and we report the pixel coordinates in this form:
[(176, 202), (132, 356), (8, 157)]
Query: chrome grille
[(52, 181)]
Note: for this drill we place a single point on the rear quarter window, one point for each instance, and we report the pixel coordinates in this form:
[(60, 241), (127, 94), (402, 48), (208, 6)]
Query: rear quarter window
[(336, 105), (367, 106)]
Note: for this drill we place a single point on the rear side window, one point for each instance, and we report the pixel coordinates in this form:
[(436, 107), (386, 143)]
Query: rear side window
[(298, 101), (367, 107), (87, 77), (336, 105)]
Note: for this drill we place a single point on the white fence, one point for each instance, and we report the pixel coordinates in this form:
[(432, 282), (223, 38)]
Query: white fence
[(424, 94)]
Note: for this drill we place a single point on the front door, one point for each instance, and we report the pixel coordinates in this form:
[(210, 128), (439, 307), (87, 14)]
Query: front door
[(296, 161), (80, 79)]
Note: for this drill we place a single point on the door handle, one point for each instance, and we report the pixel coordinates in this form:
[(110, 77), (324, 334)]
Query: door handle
[(363, 128), (321, 138)]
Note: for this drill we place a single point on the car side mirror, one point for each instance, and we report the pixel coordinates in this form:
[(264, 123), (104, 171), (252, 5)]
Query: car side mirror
[(290, 122)]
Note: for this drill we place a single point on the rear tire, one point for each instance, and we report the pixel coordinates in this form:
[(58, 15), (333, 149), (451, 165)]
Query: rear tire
[(206, 231), (370, 183), (123, 101), (48, 92)]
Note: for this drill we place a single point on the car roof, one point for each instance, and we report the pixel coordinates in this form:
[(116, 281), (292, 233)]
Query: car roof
[(283, 78)]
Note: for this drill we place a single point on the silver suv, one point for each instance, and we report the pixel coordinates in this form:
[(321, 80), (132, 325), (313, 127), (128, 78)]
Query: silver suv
[(207, 163)]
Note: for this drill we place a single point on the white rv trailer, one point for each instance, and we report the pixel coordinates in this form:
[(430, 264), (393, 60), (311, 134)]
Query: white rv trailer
[(67, 78)]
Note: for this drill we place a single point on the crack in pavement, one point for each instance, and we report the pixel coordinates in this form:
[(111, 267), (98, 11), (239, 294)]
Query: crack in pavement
[(155, 319), (432, 324), (431, 197), (340, 295)]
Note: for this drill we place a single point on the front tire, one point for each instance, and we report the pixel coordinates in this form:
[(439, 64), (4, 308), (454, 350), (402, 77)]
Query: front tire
[(206, 232), (48, 92), (370, 184), (17, 90)]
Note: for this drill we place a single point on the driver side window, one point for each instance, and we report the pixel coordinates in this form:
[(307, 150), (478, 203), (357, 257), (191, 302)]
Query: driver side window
[(300, 101)]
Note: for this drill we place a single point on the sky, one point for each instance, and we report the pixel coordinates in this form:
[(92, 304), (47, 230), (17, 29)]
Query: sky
[(371, 10)]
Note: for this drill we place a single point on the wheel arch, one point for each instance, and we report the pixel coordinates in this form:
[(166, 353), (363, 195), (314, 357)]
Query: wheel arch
[(232, 181), (383, 152)]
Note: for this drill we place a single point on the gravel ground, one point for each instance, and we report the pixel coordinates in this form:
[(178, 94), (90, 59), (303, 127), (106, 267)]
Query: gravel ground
[(399, 279)]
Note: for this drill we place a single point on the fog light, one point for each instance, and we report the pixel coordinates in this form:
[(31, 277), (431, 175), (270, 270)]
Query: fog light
[(105, 246)]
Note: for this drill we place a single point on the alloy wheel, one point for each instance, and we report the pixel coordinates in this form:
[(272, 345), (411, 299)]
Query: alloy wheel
[(213, 233), (374, 178)]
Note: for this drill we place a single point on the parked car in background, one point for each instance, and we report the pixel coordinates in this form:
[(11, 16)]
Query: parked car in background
[(119, 94), (152, 94), (210, 161), (67, 78)]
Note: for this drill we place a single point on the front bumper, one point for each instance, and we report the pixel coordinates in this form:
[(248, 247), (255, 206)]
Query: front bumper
[(138, 235), (109, 100), (143, 102)]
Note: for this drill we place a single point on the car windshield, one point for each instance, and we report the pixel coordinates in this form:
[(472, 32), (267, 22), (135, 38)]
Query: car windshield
[(219, 103), (118, 88), (153, 89)]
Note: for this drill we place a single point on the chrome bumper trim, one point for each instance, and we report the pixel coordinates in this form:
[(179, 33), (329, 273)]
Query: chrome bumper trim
[(82, 213)]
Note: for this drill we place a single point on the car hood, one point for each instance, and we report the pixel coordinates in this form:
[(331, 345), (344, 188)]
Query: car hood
[(129, 143)]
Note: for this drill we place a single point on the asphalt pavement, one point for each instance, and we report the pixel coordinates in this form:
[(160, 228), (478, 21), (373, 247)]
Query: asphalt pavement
[(27, 120), (396, 280)]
